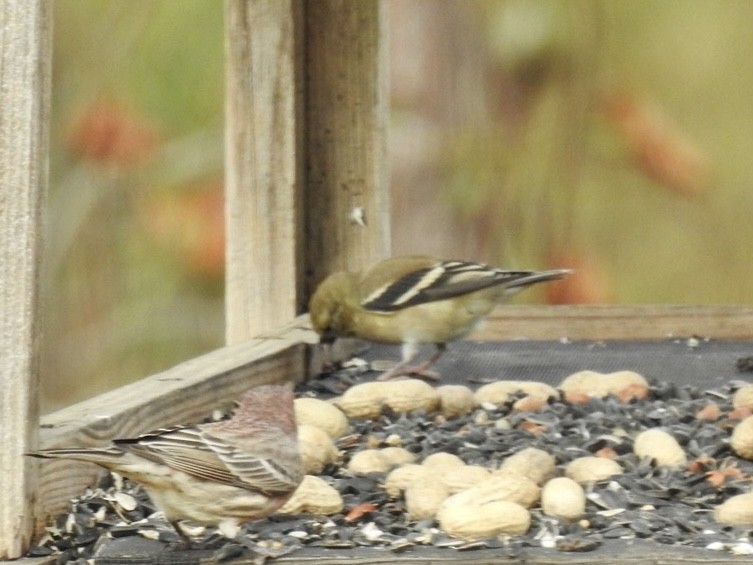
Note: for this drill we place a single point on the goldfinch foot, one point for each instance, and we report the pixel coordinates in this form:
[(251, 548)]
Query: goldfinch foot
[(419, 371)]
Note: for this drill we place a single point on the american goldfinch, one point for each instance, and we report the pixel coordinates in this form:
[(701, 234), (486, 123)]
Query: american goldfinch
[(221, 473), (413, 300)]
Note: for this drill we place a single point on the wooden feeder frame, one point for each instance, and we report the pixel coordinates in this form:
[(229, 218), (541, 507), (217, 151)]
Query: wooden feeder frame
[(306, 115)]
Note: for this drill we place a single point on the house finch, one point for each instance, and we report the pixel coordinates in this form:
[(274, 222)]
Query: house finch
[(220, 473), (413, 300)]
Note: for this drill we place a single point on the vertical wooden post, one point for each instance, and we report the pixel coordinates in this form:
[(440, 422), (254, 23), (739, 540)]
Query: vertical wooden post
[(24, 114), (263, 165), (306, 172), (347, 195)]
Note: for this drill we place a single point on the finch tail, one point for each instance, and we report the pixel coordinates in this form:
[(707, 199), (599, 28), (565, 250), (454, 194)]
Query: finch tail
[(105, 456)]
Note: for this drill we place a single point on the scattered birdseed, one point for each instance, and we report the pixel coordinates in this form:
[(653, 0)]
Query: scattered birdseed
[(647, 502)]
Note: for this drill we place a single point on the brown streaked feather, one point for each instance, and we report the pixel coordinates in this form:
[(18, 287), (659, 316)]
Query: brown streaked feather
[(199, 453), (182, 449), (266, 467), (101, 456)]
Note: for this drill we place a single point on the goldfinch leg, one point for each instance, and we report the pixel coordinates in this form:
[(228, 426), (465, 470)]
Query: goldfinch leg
[(422, 370), (410, 350)]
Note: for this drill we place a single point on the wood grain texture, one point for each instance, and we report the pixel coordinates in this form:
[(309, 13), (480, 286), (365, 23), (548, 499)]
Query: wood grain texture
[(346, 115), (263, 132), (306, 104), (24, 117), (617, 322)]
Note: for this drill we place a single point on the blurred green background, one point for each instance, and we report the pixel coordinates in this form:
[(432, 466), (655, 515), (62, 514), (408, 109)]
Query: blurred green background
[(611, 136)]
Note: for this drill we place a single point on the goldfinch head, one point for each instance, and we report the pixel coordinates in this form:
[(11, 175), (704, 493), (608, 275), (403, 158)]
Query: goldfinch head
[(330, 309)]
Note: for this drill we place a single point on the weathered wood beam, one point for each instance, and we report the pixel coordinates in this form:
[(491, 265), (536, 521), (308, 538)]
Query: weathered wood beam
[(306, 174), (263, 165), (25, 55), (618, 322), (347, 219)]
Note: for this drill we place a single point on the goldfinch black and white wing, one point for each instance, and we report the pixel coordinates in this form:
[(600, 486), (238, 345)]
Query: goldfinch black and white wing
[(449, 279)]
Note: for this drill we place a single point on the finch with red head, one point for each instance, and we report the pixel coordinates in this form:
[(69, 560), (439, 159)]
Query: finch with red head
[(220, 473)]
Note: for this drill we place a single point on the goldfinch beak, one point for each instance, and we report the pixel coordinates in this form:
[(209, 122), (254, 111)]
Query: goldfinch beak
[(327, 338)]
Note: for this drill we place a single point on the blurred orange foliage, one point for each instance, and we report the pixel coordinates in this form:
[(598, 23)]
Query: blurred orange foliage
[(588, 284), (662, 152), (192, 225), (112, 133)]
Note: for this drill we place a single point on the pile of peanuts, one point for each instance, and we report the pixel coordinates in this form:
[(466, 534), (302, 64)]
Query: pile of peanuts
[(472, 502)]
